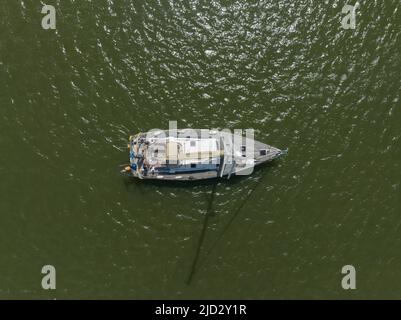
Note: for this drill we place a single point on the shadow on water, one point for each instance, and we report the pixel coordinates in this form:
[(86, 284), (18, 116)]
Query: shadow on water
[(202, 235), (261, 170), (227, 226)]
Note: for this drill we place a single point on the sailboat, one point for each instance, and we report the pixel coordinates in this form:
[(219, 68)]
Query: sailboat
[(195, 154)]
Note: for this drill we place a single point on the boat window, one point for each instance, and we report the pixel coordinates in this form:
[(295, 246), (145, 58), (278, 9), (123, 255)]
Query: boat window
[(193, 165), (263, 152), (193, 143)]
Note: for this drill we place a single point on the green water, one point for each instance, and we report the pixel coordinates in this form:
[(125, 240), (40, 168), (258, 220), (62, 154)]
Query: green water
[(71, 96)]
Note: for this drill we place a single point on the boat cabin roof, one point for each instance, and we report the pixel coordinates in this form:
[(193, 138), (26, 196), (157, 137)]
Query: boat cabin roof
[(182, 151)]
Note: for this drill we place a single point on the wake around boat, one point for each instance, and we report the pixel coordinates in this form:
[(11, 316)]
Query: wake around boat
[(195, 154)]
